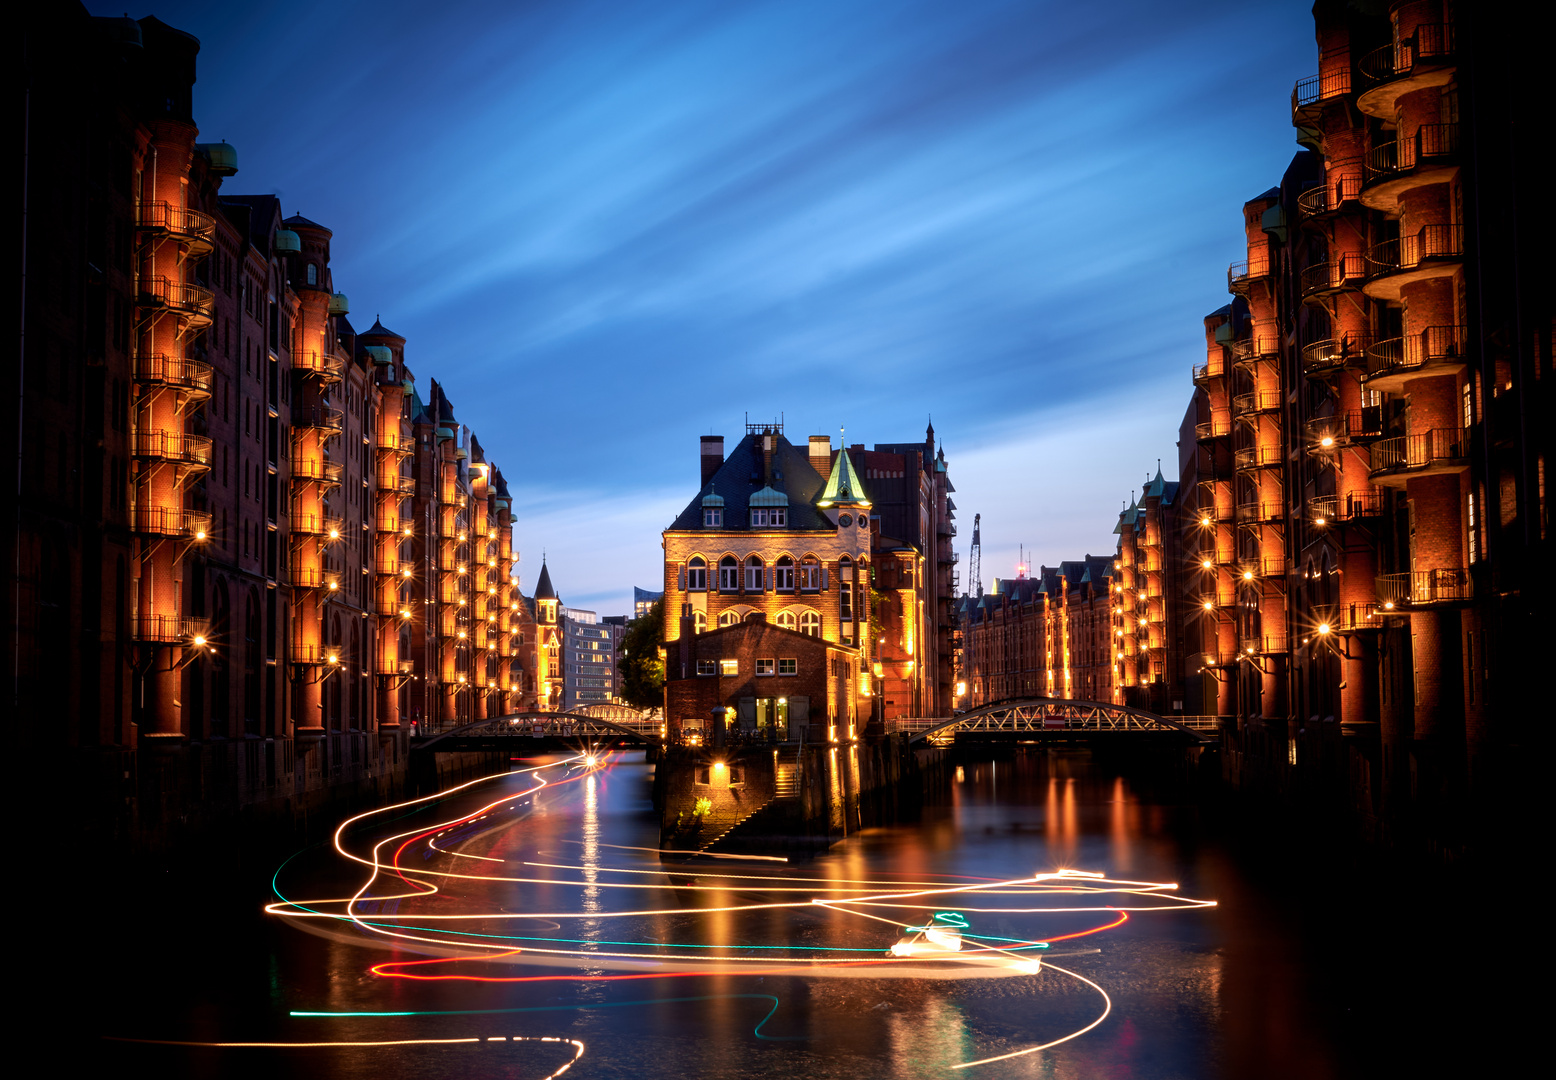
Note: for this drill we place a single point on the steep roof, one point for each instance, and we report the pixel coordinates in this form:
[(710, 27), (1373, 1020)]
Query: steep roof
[(543, 587), (843, 486), (378, 329), (742, 476)]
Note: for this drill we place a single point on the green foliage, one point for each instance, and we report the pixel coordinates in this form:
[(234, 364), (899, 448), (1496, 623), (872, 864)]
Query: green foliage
[(703, 808), (642, 671), (877, 599)]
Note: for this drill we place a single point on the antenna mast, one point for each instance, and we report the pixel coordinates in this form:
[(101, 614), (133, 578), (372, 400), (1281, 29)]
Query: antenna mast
[(975, 556)]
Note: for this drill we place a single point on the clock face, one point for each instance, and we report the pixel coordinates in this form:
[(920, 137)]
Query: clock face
[(844, 520)]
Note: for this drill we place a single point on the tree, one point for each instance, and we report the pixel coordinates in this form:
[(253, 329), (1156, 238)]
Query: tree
[(642, 671)]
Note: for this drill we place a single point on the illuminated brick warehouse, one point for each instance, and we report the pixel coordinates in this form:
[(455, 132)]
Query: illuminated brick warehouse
[(251, 549)]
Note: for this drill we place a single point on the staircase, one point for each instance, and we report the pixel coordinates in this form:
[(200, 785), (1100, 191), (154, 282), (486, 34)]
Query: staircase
[(786, 785)]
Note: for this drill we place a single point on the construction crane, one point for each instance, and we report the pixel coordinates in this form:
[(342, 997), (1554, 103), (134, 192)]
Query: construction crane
[(975, 557)]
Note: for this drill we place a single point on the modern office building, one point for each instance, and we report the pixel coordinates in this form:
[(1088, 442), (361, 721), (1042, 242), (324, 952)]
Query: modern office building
[(590, 647)]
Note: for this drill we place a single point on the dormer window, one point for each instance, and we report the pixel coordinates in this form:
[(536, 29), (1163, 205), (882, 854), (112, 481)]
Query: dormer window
[(769, 517), (712, 517)]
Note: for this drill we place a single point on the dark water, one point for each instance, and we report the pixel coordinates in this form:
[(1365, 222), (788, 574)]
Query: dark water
[(1307, 967)]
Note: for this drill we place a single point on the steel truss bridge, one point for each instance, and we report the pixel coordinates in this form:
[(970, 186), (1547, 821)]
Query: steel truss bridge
[(1057, 720), (594, 725)]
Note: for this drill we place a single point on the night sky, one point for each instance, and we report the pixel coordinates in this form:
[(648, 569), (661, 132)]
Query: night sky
[(607, 228)]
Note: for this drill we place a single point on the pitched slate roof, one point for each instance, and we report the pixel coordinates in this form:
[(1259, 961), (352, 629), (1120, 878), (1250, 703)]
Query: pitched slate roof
[(543, 587), (741, 476)]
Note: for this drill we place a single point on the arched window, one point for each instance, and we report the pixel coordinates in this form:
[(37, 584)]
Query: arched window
[(699, 622), (786, 620), (754, 570), (810, 623), (729, 574), (783, 575), (845, 588), (810, 574), (313, 274), (697, 574), (728, 618)]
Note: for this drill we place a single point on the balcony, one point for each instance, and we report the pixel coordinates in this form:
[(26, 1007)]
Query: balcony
[(1433, 252), (170, 521), (1412, 63), (1332, 196), (1255, 513), (1437, 350), (1430, 156), (394, 667), (190, 303), (193, 377), (325, 366), (1323, 358), (1438, 452), (1257, 457), (1351, 618), (1417, 588), (1256, 401), (1329, 509), (162, 629), (1309, 95), (1219, 425), (396, 484), (1255, 347), (1263, 645), (1337, 275), (388, 566), (387, 523), (317, 470), (1240, 276), (318, 525), (1210, 369), (318, 417), (190, 229), (394, 441), (316, 654), (314, 577), (173, 447), (1327, 433)]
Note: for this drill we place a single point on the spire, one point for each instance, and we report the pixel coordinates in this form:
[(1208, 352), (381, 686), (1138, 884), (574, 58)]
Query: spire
[(843, 484), (543, 587)]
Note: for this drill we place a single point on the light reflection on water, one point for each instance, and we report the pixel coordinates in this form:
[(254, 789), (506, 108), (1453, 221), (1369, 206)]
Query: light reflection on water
[(1179, 1010)]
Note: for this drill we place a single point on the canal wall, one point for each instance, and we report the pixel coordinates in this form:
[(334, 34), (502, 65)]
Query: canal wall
[(788, 800)]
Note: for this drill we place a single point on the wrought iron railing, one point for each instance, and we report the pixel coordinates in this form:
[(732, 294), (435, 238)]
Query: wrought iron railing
[(1435, 344), (1425, 587), (173, 446), (1429, 42), (1339, 273), (1409, 252), (1418, 451), (178, 371), (170, 521)]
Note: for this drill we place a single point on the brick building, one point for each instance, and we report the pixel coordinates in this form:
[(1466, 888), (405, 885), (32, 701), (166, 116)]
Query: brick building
[(247, 551)]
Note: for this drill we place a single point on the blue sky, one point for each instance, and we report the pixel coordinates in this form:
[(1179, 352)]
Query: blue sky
[(608, 228)]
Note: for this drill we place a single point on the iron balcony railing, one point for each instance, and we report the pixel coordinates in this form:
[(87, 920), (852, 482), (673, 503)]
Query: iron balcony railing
[(318, 469), (1241, 275), (173, 446), (1219, 424), (1210, 369), (170, 521), (1435, 344), (1325, 433), (190, 301), (318, 525), (394, 667), (313, 577), (190, 226), (318, 416), (1326, 509), (162, 629), (1263, 644), (1346, 271), (387, 523), (1257, 457), (1253, 347), (1425, 587), (327, 365), (302, 653), (389, 565), (393, 440), (1256, 401), (161, 369), (1318, 88), (397, 483), (1250, 512), (1333, 354), (1339, 189), (1351, 617), (1409, 252), (1440, 445), (1431, 42), (1430, 143)]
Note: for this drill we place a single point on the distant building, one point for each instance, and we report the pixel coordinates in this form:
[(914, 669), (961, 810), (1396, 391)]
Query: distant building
[(643, 601), (590, 647)]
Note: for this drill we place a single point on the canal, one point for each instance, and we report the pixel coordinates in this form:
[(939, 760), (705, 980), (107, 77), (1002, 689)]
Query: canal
[(528, 921)]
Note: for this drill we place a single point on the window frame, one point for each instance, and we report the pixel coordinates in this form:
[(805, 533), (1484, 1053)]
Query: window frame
[(697, 574), (792, 663), (766, 666)]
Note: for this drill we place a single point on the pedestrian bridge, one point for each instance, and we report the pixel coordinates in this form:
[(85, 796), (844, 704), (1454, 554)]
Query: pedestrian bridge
[(1058, 720), (594, 725)]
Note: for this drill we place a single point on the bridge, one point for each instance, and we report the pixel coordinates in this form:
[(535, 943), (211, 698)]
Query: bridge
[(1058, 720), (591, 726)]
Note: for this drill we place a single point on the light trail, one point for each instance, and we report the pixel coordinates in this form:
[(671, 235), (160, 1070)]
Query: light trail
[(468, 933)]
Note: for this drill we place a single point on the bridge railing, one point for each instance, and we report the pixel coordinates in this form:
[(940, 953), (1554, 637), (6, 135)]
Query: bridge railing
[(1053, 715)]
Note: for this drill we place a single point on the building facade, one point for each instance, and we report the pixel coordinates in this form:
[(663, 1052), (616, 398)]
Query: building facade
[(590, 646), (247, 550)]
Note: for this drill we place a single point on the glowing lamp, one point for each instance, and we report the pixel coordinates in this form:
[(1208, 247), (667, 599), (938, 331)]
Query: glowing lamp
[(1319, 521), (334, 534), (332, 658), (1247, 575), (1326, 442), (334, 585), (1209, 605), (199, 534), (1323, 628), (199, 640), (1205, 520)]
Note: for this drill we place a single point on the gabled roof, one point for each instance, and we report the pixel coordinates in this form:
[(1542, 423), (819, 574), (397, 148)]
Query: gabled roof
[(843, 486), (742, 476)]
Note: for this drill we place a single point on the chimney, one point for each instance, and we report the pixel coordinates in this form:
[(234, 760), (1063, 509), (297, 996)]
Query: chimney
[(821, 454), (712, 456)]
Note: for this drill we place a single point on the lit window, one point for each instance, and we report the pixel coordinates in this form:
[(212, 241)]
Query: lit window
[(788, 665), (697, 574), (707, 667), (764, 667), (810, 623), (729, 574), (845, 598), (729, 667), (786, 620), (728, 618), (699, 622), (783, 575)]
